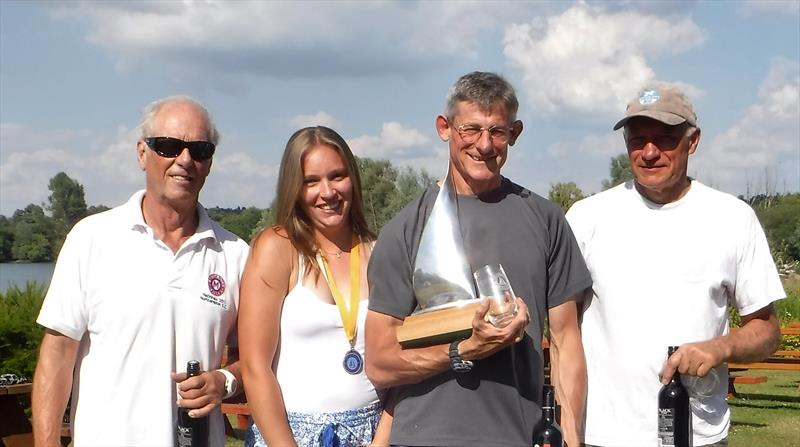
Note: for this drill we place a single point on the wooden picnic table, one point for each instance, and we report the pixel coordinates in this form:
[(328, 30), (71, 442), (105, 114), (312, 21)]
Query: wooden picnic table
[(15, 428)]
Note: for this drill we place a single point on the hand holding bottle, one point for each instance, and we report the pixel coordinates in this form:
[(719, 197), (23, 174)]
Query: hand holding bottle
[(192, 429), (693, 359), (200, 393)]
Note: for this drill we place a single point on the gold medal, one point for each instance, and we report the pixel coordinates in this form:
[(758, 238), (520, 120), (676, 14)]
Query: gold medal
[(353, 363)]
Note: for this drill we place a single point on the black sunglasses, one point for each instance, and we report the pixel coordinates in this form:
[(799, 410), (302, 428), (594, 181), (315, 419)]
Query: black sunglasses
[(172, 147)]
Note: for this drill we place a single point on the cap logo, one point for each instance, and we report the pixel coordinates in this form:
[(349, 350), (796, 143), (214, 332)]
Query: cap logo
[(216, 285), (648, 97)]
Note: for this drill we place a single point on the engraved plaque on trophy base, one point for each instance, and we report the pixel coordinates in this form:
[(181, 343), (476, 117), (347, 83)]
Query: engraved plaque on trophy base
[(438, 326)]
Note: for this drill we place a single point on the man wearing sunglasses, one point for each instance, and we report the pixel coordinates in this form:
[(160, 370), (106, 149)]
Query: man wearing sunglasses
[(137, 292), (667, 254)]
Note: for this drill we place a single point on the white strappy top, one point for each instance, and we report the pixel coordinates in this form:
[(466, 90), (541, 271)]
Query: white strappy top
[(312, 347)]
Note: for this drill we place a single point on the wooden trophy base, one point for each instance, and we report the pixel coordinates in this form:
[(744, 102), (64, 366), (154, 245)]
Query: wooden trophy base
[(437, 326)]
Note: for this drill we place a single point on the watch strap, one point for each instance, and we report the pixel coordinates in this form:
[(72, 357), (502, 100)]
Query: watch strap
[(458, 364), (230, 383)]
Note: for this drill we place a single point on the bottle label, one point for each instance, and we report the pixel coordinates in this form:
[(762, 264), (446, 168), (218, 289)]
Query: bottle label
[(184, 436), (666, 427)]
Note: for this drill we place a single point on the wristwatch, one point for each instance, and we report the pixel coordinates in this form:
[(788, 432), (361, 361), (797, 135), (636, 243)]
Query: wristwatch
[(230, 383), (458, 364)]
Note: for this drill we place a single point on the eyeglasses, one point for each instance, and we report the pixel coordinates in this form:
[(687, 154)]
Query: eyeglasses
[(470, 133), (172, 147), (662, 142)]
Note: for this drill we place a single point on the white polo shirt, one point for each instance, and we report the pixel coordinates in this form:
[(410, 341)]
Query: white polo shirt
[(141, 312)]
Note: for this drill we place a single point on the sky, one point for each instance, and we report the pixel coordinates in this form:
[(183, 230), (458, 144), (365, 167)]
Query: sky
[(75, 77)]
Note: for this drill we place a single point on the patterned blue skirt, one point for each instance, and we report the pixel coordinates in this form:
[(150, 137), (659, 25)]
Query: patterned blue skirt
[(350, 428)]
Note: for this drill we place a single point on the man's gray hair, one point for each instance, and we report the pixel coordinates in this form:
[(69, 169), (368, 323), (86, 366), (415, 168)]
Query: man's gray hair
[(484, 89), (152, 109)]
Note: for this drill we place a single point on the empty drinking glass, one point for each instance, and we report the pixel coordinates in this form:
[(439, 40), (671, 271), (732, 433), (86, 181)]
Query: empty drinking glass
[(493, 284)]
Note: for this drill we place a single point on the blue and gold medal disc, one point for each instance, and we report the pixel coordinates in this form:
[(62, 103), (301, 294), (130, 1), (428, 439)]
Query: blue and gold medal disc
[(353, 362)]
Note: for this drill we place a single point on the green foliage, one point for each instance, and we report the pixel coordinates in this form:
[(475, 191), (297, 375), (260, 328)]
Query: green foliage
[(66, 202), (267, 219), (67, 206), (242, 223), (378, 185), (386, 190), (31, 241), (565, 194), (780, 217), (6, 239), (19, 333), (96, 209), (620, 171)]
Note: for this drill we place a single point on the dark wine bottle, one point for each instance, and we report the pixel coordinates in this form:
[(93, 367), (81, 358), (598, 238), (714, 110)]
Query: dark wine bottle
[(191, 432), (674, 413), (551, 433)]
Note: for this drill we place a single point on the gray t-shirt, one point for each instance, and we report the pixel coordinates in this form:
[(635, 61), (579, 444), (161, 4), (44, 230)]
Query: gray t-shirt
[(497, 403)]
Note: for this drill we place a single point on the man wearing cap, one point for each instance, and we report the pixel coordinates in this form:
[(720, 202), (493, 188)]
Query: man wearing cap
[(667, 254), (137, 292)]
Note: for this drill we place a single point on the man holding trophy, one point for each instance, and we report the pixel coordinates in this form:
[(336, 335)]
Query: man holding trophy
[(483, 387)]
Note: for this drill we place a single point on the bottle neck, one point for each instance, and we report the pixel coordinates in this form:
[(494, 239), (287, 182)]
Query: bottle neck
[(549, 414)]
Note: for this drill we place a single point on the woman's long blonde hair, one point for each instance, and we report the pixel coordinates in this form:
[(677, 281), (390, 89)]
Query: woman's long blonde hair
[(289, 214)]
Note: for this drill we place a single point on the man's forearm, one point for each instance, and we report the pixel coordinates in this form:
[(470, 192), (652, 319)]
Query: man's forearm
[(570, 382), (757, 338), (52, 383), (568, 369)]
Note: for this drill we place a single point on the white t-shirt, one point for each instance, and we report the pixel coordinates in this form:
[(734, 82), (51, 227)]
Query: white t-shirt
[(663, 275), (141, 312), (312, 349)]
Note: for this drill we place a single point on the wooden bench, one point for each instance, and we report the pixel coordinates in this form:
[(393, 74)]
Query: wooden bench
[(242, 412), (15, 428), (783, 360), (780, 360)]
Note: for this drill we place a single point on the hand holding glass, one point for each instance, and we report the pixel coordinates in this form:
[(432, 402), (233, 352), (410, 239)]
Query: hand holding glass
[(493, 285)]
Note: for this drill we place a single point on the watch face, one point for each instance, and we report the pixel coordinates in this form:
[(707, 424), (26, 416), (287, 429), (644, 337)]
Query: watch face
[(461, 366)]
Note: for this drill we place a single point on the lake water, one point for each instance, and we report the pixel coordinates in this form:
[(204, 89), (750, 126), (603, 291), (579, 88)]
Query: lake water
[(20, 273)]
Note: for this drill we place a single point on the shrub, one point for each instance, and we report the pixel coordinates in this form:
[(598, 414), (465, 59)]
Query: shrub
[(19, 333)]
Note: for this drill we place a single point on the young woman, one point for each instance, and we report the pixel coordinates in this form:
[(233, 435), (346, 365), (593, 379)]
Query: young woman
[(303, 303)]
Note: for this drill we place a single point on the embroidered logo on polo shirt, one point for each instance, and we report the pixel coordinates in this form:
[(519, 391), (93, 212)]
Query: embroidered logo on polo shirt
[(216, 285)]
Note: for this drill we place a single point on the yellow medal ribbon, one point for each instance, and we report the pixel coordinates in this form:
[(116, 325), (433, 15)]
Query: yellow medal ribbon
[(349, 313)]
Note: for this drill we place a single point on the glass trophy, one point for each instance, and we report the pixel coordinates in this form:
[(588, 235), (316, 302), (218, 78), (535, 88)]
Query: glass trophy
[(442, 280)]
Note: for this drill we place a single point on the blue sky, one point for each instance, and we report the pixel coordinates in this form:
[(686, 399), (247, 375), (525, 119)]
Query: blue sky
[(75, 76)]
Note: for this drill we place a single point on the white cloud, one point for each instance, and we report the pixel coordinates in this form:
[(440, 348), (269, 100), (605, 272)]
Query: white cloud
[(317, 119), (395, 142), (106, 166), (603, 146), (765, 141), (238, 179), (770, 7), (241, 164), (590, 61), (287, 39), (29, 159)]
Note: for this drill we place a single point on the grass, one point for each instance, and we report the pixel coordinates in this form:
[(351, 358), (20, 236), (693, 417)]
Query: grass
[(767, 413), (230, 441)]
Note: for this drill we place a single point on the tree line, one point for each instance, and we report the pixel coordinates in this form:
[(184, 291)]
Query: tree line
[(36, 233)]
